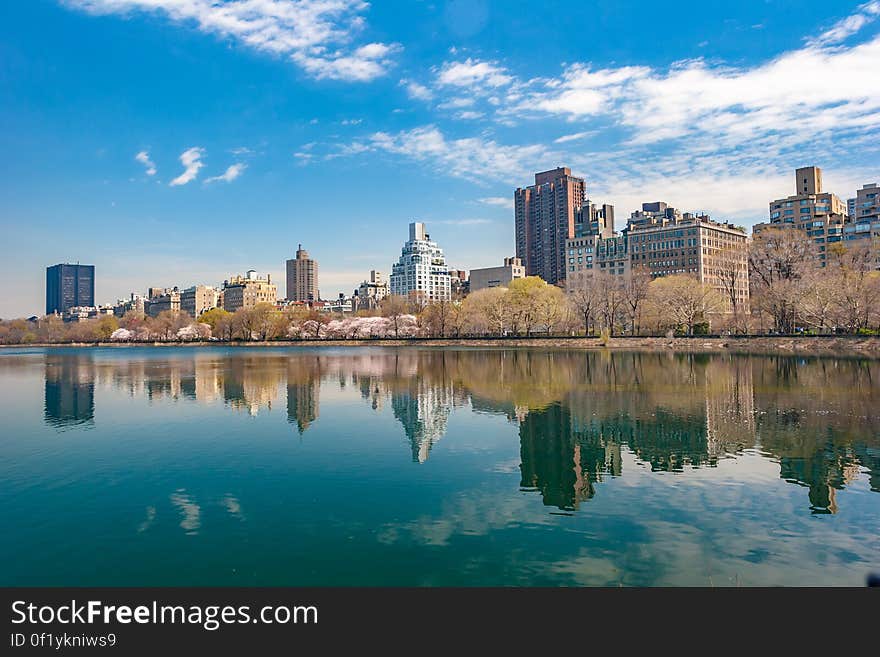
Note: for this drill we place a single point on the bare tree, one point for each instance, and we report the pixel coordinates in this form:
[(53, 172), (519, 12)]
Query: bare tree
[(731, 270), (685, 300), (635, 289), (611, 299), (584, 298), (394, 307), (778, 260)]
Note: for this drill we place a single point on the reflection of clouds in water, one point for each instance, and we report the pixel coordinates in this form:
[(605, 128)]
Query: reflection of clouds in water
[(506, 467), (472, 514), (233, 506), (649, 530), (148, 521), (189, 509)]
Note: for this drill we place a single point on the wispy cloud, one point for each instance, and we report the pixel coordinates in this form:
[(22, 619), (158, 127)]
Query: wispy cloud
[(191, 159), (845, 28), (315, 34), (144, 158), (667, 131), (364, 64), (232, 172), (498, 201), (574, 137), (477, 157)]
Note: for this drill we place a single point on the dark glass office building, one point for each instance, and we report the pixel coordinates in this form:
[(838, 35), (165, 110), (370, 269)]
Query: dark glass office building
[(68, 286)]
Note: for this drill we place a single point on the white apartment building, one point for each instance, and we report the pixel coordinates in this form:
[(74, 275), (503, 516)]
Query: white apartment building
[(421, 272)]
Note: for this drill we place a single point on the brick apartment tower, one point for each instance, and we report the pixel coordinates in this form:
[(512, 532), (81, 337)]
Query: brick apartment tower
[(302, 277), (545, 214)]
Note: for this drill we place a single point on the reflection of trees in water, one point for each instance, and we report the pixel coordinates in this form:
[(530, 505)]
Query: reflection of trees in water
[(818, 418)]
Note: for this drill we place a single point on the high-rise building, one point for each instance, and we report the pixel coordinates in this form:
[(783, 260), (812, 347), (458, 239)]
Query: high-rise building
[(421, 272), (302, 277), (247, 291), (481, 279), (550, 212), (823, 217), (69, 286)]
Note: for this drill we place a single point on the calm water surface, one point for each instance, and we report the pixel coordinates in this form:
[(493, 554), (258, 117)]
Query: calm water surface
[(177, 466)]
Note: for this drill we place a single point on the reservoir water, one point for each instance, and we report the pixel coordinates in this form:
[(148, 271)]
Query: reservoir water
[(418, 466)]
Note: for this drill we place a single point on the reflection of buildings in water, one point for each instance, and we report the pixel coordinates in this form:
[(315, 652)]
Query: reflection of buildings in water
[(208, 381), (730, 406), (69, 391), (423, 410), (371, 390), (824, 475), (818, 417), (303, 384), (302, 404), (561, 464)]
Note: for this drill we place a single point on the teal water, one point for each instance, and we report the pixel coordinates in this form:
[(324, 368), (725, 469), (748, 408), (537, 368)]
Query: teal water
[(408, 466)]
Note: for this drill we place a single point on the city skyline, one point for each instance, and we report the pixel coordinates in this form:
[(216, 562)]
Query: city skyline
[(144, 153)]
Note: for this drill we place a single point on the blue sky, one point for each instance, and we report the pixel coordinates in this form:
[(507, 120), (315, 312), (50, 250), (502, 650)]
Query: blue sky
[(171, 142)]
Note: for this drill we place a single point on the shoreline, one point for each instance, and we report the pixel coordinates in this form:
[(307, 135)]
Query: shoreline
[(865, 346)]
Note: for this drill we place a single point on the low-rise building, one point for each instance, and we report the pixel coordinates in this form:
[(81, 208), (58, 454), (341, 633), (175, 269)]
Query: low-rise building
[(168, 301), (248, 290), (712, 251), (197, 299), (459, 284), (487, 277), (371, 292), (135, 303), (662, 241)]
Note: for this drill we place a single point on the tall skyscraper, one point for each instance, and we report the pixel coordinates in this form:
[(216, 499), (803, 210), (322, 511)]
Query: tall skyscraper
[(421, 270), (69, 286), (302, 277), (546, 214)]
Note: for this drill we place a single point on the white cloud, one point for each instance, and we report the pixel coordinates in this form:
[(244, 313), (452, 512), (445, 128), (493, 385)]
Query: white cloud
[(364, 64), (191, 159), (472, 72), (574, 137), (475, 157), (498, 201), (416, 91), (848, 26), (351, 121), (144, 158), (470, 115), (231, 173), (457, 102), (732, 106), (303, 30)]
